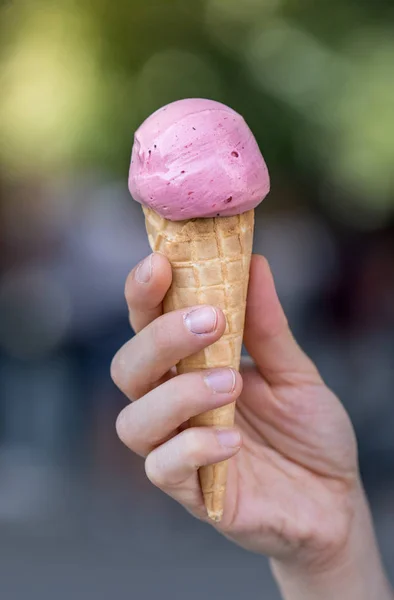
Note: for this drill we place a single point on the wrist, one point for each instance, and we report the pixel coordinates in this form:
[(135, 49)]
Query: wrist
[(351, 570)]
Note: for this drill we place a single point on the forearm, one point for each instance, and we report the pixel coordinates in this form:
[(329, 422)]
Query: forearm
[(355, 574)]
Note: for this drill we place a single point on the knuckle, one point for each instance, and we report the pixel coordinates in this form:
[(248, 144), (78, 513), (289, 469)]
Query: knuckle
[(127, 430), (115, 370), (153, 472), (121, 426), (123, 371), (118, 369)]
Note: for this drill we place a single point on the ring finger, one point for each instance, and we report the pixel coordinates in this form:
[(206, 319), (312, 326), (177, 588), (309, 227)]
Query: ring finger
[(144, 425)]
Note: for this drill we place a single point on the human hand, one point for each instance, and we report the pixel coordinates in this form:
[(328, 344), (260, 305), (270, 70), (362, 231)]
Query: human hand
[(293, 476)]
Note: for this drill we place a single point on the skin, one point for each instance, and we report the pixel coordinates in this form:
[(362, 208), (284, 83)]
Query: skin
[(294, 491)]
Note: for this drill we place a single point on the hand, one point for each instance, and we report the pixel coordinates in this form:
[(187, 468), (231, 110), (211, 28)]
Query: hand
[(293, 489), (292, 478)]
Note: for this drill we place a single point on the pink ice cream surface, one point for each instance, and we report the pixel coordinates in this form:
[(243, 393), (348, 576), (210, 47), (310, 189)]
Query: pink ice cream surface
[(197, 158)]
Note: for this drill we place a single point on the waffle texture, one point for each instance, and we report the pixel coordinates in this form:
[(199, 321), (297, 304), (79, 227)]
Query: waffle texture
[(210, 261)]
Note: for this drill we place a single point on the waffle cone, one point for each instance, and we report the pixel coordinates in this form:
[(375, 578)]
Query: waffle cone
[(210, 261)]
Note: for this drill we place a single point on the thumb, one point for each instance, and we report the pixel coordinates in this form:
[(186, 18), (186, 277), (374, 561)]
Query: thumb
[(268, 338)]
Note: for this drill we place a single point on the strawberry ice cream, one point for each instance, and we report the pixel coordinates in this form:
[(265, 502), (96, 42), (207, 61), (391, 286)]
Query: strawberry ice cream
[(197, 158)]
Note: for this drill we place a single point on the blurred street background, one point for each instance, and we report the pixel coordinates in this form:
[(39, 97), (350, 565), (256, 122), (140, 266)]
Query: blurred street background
[(314, 81)]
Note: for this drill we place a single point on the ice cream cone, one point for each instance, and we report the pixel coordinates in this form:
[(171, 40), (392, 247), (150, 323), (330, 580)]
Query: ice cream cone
[(197, 170), (210, 260)]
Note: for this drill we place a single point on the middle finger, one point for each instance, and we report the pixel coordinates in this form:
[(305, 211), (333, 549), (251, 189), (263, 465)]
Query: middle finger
[(142, 361)]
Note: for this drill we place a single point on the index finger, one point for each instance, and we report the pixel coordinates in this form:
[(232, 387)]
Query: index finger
[(145, 288)]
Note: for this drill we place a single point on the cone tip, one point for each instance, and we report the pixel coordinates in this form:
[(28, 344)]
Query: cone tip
[(215, 515)]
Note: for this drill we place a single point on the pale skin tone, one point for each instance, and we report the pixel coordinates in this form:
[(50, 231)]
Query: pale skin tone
[(294, 491)]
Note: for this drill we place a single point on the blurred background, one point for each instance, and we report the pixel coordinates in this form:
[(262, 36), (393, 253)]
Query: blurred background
[(314, 82)]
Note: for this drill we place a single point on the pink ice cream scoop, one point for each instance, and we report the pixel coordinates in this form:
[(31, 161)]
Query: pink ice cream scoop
[(197, 158)]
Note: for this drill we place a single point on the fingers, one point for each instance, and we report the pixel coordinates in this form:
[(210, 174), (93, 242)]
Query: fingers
[(267, 335), (141, 362), (146, 286), (173, 466), (145, 424)]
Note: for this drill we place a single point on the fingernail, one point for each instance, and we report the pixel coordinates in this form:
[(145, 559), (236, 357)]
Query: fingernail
[(202, 320), (221, 381), (144, 270), (229, 438)]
